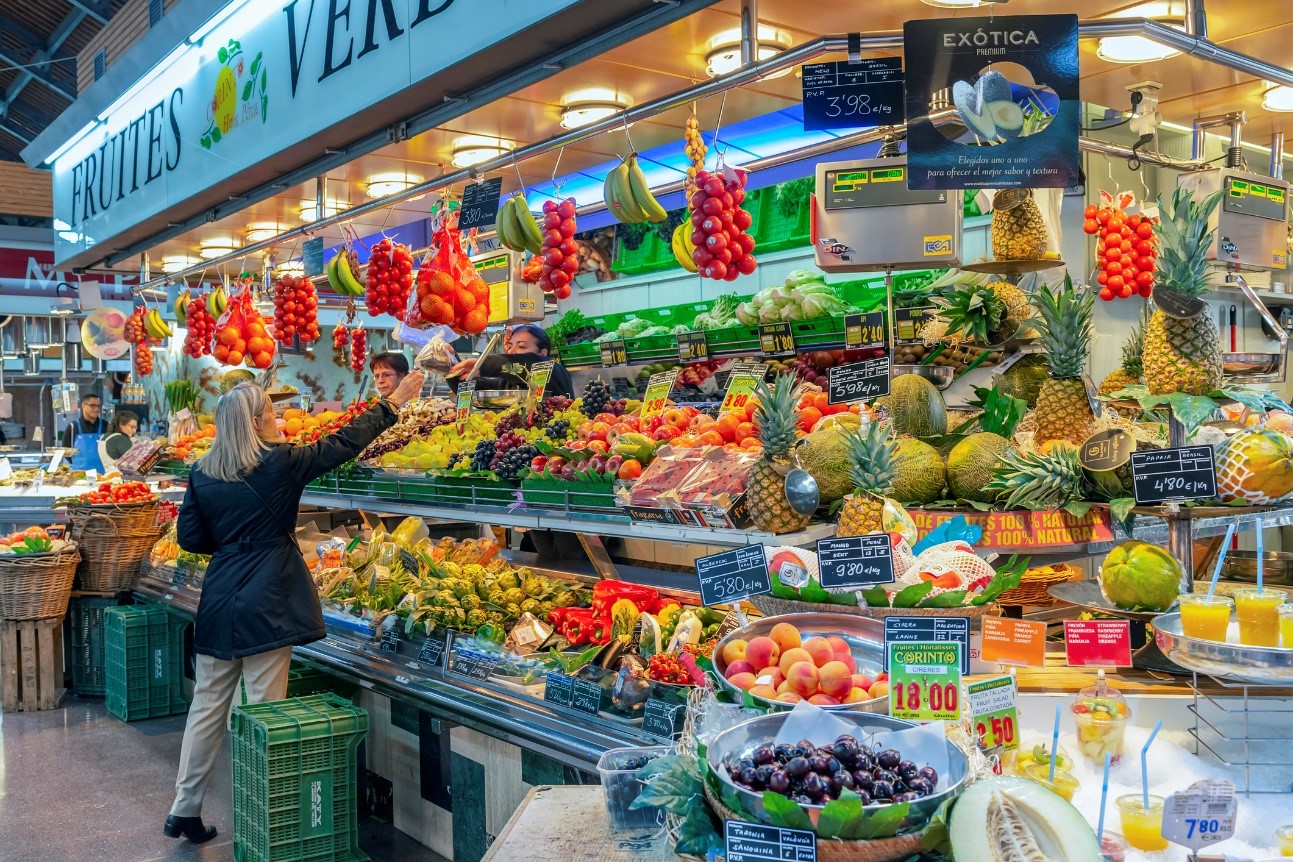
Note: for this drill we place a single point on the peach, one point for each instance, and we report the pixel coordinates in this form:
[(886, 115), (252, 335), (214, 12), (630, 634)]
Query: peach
[(835, 679), (882, 677), (763, 691), (880, 688), (856, 695), (740, 666), (744, 681), (786, 636), (847, 658), (788, 697), (771, 676), (861, 680), (762, 652), (734, 651), (820, 649), (802, 678), (838, 644), (824, 700), (794, 655), (783, 686)]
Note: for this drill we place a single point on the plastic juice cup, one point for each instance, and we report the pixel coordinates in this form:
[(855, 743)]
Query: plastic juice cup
[(1285, 615), (1284, 837), (1113, 847), (1101, 719), (1258, 619), (1205, 618), (1064, 784), (1142, 827)]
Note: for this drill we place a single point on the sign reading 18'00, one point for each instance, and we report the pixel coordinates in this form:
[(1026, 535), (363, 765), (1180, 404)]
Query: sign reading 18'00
[(261, 81)]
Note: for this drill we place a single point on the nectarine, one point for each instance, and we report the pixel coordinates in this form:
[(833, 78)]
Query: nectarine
[(838, 644), (763, 691), (880, 688), (762, 652), (835, 679), (771, 676), (739, 666), (788, 697), (786, 636), (802, 678), (847, 658), (861, 680), (824, 700), (856, 695), (744, 681)]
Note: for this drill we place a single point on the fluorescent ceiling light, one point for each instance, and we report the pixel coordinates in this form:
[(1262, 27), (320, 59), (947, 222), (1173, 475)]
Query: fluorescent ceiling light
[(579, 114), (260, 231), (954, 4), (725, 51), (216, 248), (309, 209), (291, 267), (71, 142), (474, 150), (381, 185), (1277, 98), (1138, 49), (175, 262)]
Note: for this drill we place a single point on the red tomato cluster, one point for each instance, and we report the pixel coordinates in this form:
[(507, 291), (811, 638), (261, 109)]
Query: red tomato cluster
[(559, 250), (724, 251), (1126, 253), (358, 348), (123, 492), (340, 337), (296, 310), (201, 326), (389, 279)]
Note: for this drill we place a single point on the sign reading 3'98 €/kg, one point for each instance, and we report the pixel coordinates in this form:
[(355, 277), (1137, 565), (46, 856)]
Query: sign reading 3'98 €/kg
[(855, 561), (853, 95), (1186, 473), (558, 688), (925, 681), (731, 575), (662, 719), (858, 381), (760, 842)]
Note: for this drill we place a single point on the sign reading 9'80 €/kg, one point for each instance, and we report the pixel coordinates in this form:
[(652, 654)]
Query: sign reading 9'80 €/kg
[(925, 681), (855, 561), (656, 397), (732, 575), (1187, 473), (859, 381)]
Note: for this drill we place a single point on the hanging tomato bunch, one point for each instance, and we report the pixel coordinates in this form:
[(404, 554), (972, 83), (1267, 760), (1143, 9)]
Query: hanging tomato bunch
[(296, 310), (559, 251), (1126, 253), (358, 348), (389, 279), (724, 251), (201, 328)]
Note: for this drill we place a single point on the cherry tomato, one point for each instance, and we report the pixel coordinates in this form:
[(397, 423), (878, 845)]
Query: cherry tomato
[(1145, 279), (1113, 253), (1106, 294), (1144, 230), (1090, 225), (1113, 267), (1114, 223), (1115, 283)]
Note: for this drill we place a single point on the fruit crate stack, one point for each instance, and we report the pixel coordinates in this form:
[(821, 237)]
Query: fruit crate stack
[(294, 780), (89, 666), (144, 661)]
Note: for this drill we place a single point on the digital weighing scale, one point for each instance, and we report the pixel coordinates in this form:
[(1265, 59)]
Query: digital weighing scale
[(511, 300)]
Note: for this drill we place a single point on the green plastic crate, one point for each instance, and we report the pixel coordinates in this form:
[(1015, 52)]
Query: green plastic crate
[(733, 339), (560, 494), (85, 619), (144, 660), (294, 787), (774, 231), (473, 491)]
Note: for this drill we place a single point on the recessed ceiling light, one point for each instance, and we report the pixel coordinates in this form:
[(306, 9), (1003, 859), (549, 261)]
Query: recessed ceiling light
[(261, 231), (216, 248), (954, 4), (176, 262), (1277, 98), (291, 267), (310, 210), (474, 150), (381, 185), (725, 51), (578, 114), (1138, 49)]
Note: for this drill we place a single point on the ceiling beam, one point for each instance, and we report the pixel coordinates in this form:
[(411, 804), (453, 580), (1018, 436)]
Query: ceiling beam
[(8, 128), (96, 9), (37, 42), (65, 29)]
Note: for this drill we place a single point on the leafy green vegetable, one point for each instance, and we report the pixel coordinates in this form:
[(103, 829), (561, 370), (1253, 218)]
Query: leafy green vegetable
[(1007, 578)]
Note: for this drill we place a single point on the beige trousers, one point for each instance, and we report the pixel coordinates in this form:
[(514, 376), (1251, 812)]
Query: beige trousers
[(216, 684)]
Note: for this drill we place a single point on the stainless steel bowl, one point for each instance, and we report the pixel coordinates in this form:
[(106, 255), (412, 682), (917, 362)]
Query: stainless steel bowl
[(739, 740), (1277, 567), (1239, 364), (1260, 665), (864, 636), (940, 375), (496, 399)]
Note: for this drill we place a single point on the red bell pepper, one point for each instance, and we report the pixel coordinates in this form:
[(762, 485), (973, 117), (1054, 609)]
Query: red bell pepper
[(577, 626), (607, 592)]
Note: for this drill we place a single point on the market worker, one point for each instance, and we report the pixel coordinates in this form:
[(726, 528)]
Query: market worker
[(528, 344), (258, 600), (83, 434), (388, 369), (117, 441)]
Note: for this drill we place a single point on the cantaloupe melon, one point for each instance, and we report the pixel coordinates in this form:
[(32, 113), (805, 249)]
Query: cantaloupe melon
[(1009, 819), (915, 407), (824, 454), (970, 463), (919, 472)]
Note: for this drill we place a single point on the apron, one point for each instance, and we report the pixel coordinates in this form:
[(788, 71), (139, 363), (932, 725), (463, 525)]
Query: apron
[(87, 446)]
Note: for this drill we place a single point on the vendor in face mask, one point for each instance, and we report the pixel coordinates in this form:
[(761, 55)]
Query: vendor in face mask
[(526, 344)]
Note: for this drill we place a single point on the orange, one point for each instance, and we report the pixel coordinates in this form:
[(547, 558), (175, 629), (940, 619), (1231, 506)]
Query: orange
[(808, 417), (441, 283), (745, 430), (751, 443), (445, 313), (479, 289), (702, 422), (476, 320), (712, 438), (463, 302), (630, 469), (727, 425), (749, 409), (684, 441), (293, 426)]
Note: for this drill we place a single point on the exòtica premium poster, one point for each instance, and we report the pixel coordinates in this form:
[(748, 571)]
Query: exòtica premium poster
[(992, 102)]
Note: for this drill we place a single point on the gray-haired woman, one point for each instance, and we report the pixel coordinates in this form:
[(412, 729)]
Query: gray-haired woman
[(257, 597)]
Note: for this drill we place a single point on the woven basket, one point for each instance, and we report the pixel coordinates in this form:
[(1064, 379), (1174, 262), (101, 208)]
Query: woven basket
[(125, 518), (111, 558), (1034, 587), (771, 606), (37, 586), (972, 612)]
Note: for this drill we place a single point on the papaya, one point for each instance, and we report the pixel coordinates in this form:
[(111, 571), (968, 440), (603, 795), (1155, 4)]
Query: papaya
[(1138, 576)]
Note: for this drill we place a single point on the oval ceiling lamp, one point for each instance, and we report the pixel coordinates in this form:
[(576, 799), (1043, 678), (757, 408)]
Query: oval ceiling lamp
[(473, 150), (381, 185), (214, 248), (310, 209), (1277, 98), (725, 51), (1138, 49), (175, 262), (261, 231)]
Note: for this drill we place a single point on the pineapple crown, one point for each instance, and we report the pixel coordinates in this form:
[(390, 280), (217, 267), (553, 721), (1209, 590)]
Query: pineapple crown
[(776, 418), (1039, 480), (974, 312), (1184, 241), (1132, 362), (871, 452), (1065, 326)]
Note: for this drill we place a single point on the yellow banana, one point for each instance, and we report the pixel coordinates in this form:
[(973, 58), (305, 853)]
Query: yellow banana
[(641, 192), (531, 235), (155, 326), (347, 275), (182, 304), (619, 196), (217, 302), (682, 247)]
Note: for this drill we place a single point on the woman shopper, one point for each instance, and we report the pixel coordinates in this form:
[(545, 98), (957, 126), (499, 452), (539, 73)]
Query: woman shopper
[(117, 441), (258, 600)]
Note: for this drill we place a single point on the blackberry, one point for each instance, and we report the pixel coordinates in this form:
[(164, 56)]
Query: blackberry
[(483, 456), (596, 397), (512, 463), (557, 430)]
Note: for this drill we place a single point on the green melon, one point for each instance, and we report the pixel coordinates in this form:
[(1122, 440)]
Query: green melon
[(1024, 379), (824, 454), (919, 472), (970, 463), (1002, 818), (1138, 576), (916, 407)]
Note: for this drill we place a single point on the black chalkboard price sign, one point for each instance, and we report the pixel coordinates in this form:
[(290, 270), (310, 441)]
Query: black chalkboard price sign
[(731, 575), (1186, 473), (663, 719), (855, 561), (473, 665), (390, 641), (858, 381), (844, 95), (614, 353), (776, 339), (432, 652), (585, 696), (558, 688), (480, 204), (760, 842)]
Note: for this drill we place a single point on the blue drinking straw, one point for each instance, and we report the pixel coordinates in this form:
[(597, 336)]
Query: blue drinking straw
[(1055, 746), (1144, 762), (1260, 555), (1104, 795), (1221, 559)]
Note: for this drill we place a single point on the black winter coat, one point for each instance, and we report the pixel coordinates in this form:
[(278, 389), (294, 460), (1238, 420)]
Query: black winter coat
[(257, 594)]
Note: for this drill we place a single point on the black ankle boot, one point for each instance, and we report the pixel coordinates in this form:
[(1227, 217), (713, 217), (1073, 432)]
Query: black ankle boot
[(190, 827)]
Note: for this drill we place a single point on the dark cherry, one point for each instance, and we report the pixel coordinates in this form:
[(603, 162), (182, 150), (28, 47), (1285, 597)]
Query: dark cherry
[(763, 754), (797, 767), (801, 799), (865, 750), (864, 761), (745, 763), (920, 786), (748, 777), (841, 779), (899, 786), (807, 746), (906, 770), (930, 774), (821, 764), (814, 786), (882, 790), (782, 751), (883, 775), (763, 772), (865, 797), (778, 781), (846, 737), (863, 781), (889, 758), (845, 748), (906, 797)]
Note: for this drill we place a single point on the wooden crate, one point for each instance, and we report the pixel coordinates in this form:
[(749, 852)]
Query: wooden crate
[(31, 665)]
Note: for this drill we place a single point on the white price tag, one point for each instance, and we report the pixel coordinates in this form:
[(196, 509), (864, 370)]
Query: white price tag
[(1202, 815), (793, 576), (38, 435), (6, 469), (55, 461)]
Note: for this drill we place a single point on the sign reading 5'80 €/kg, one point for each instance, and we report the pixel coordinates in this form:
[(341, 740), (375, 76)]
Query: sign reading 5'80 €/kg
[(731, 575), (855, 561), (859, 381), (759, 842), (1187, 473)]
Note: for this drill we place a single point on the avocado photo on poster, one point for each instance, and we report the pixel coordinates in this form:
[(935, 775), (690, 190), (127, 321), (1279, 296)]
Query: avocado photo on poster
[(992, 102)]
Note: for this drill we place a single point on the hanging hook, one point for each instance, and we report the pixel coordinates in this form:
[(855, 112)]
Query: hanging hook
[(628, 137), (520, 181), (718, 125), (557, 187)]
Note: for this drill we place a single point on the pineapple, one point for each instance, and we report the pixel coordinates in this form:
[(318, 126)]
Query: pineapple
[(1039, 479), (1183, 354), (871, 453), (1131, 370), (1014, 299), (1063, 412), (776, 419), (1018, 232), (984, 313)]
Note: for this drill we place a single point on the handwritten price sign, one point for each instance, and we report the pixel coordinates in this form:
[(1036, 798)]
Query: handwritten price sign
[(462, 404), (925, 681), (996, 717), (657, 393)]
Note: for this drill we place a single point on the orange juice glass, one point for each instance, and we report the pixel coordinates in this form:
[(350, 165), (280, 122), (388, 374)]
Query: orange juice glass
[(1205, 618), (1141, 826), (1258, 618), (1285, 615), (1284, 837)]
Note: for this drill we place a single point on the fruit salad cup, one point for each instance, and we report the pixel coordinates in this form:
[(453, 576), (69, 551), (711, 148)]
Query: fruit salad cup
[(1032, 754), (1113, 847), (1063, 783), (1101, 715), (1284, 838)]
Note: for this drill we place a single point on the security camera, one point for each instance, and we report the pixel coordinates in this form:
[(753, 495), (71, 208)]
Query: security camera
[(1145, 118)]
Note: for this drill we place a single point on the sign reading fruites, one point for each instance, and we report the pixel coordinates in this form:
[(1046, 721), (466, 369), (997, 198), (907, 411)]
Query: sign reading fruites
[(614, 353), (743, 380), (776, 339), (731, 575), (1187, 473), (864, 330), (657, 393), (994, 711), (925, 681)]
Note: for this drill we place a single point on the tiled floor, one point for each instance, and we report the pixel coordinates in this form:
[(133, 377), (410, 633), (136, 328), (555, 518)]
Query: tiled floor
[(77, 784)]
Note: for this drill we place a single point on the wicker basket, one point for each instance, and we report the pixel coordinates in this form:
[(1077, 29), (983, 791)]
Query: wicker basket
[(1034, 587), (126, 518), (111, 558), (771, 606), (37, 586), (972, 612)]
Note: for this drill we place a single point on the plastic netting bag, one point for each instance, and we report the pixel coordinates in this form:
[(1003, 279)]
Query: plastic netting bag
[(449, 291), (957, 557)]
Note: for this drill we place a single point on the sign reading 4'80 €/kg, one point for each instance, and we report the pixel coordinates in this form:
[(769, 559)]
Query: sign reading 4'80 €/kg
[(859, 381), (1187, 473), (925, 681), (732, 575), (855, 561)]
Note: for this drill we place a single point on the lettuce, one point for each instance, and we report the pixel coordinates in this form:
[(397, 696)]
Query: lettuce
[(635, 327), (819, 305), (804, 276), (769, 313), (747, 314)]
